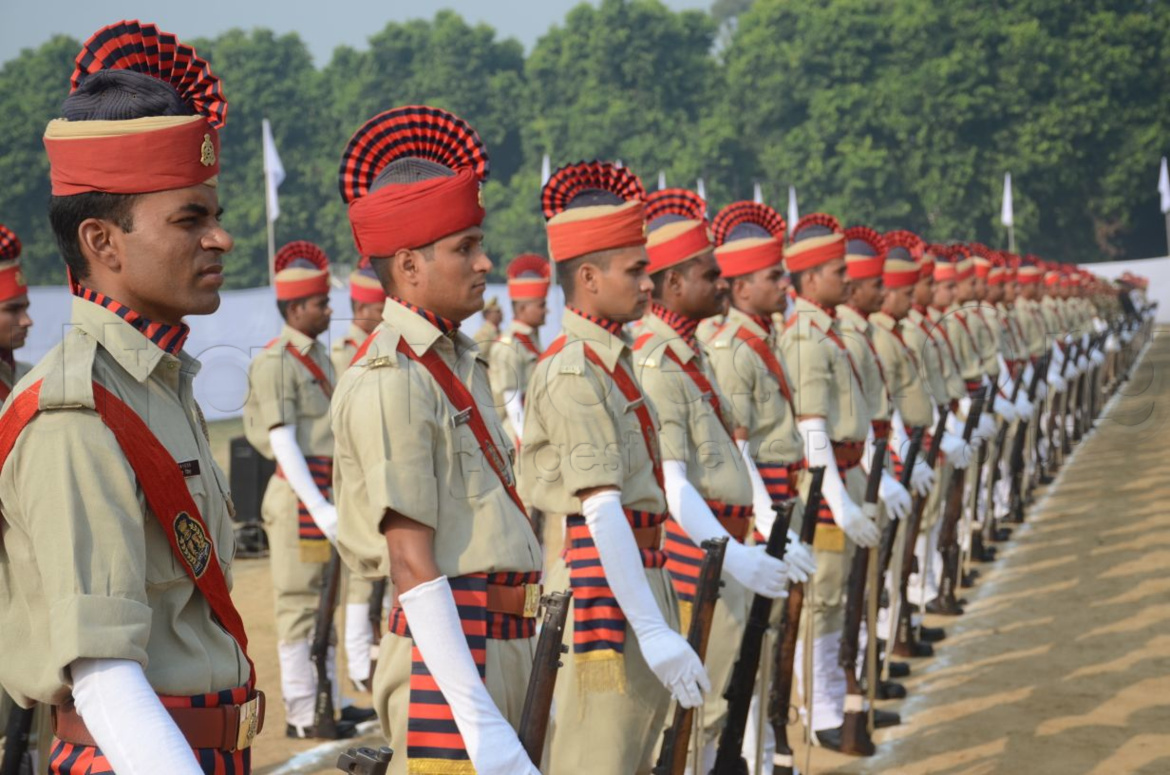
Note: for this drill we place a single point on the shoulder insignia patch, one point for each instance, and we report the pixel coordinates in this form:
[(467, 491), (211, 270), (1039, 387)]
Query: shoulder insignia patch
[(193, 543), (572, 368), (380, 361)]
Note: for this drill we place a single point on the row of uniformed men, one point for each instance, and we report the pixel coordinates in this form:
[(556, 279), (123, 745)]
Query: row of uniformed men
[(128, 627)]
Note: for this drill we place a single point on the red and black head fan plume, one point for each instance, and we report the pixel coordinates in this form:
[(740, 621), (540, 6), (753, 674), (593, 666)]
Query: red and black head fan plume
[(859, 238), (748, 219), (301, 254), (674, 204), (587, 183), (9, 244), (907, 241), (816, 225)]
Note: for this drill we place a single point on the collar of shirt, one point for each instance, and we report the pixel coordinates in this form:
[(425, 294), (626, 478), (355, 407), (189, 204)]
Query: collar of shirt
[(420, 333), (169, 338), (685, 349), (597, 334), (883, 321), (683, 326), (125, 343), (297, 339), (445, 326), (356, 335), (813, 313), (516, 326), (829, 312), (851, 318), (760, 326)]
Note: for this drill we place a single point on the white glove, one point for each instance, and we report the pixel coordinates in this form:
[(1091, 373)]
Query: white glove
[(1024, 407), (1097, 357), (296, 472), (860, 528), (761, 499), (1111, 345), (491, 742), (922, 478), (669, 656), (751, 566), (894, 495), (801, 563), (959, 453), (899, 436), (985, 429), (514, 408), (1005, 409), (127, 719), (1056, 381)]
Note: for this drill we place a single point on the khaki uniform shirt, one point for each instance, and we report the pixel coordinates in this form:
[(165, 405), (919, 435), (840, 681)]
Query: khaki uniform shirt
[(908, 390), (753, 398), (1031, 320), (956, 387), (343, 350), (961, 327), (282, 391), (1012, 343), (858, 336), (11, 373), (691, 431), (512, 364), (825, 384), (932, 358), (579, 430), (985, 324), (486, 337), (709, 328), (402, 447), (1054, 322), (86, 571)]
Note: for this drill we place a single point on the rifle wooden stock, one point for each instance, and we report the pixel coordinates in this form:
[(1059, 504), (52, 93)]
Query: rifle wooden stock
[(672, 759), (550, 646), (903, 640), (729, 757), (1016, 462), (948, 534), (324, 718), (366, 761), (890, 533), (855, 739), (780, 696)]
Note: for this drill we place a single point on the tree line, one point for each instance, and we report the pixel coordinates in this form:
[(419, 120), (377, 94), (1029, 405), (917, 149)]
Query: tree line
[(889, 113)]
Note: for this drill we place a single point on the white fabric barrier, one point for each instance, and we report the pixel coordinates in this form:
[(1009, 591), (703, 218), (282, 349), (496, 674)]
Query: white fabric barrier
[(1156, 269), (227, 341)]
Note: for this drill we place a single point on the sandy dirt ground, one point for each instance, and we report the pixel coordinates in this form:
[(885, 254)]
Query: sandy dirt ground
[(1060, 665)]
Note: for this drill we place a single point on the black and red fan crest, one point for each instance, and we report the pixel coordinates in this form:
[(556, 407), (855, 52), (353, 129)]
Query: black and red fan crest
[(413, 131), (739, 213), (676, 201), (302, 250), (817, 219), (9, 244), (907, 240), (569, 181), (870, 237), (958, 252), (981, 250), (940, 252), (131, 45), (529, 265)]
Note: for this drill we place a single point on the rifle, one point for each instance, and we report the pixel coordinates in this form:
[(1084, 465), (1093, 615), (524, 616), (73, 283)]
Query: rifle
[(672, 759), (979, 549), (366, 761), (729, 757), (780, 697), (16, 741), (1074, 353), (550, 646), (377, 596), (905, 644), (324, 718), (1019, 443), (991, 531), (855, 739), (948, 537)]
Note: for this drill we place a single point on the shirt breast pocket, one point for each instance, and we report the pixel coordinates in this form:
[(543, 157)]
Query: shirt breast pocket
[(163, 566), (312, 399), (478, 478)]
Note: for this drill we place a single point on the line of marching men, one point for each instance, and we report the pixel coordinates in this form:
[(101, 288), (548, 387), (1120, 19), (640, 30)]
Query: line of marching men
[(703, 370)]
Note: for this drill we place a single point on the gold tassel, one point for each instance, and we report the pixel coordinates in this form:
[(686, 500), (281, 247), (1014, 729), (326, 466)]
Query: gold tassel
[(829, 538), (314, 551), (686, 609), (439, 767), (601, 671)]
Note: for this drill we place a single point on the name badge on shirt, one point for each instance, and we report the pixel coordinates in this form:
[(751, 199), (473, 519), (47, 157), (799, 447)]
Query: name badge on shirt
[(461, 418), (189, 468)]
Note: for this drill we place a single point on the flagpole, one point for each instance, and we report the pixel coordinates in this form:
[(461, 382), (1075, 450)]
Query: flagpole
[(1012, 237), (268, 213)]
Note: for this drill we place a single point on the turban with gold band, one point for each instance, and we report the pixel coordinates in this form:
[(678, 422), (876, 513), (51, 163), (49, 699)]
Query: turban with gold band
[(749, 237), (676, 222), (302, 270), (529, 277), (364, 286), (865, 253), (11, 278), (964, 265), (998, 273), (143, 115), (944, 264), (591, 207), (1030, 270), (981, 256), (904, 251), (817, 239), (411, 176)]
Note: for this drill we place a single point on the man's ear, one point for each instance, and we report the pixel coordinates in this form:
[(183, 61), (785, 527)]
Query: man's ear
[(405, 266), (101, 243), (589, 277)]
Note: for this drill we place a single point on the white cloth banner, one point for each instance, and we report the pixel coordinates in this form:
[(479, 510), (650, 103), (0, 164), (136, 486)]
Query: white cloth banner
[(273, 171)]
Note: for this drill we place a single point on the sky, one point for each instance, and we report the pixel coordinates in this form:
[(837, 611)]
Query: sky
[(323, 25)]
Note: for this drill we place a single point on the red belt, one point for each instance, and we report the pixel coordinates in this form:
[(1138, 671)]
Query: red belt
[(224, 728), (848, 454)]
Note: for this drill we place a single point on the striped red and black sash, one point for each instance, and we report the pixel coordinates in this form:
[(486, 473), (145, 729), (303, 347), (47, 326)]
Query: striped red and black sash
[(314, 545), (778, 481), (684, 558), (598, 622), (72, 759), (432, 738)]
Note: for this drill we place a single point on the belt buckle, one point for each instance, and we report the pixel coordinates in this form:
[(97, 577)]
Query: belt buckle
[(249, 723), (531, 601)]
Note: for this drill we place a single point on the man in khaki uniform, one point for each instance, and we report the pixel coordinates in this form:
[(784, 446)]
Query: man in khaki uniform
[(286, 418), (367, 301), (591, 456), (489, 332), (708, 490), (833, 417), (102, 617), (513, 356), (14, 319), (424, 473)]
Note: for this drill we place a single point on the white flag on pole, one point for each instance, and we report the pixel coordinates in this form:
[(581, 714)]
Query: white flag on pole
[(1164, 186), (793, 212), (1006, 216), (758, 195), (545, 170), (661, 180), (701, 190), (273, 171)]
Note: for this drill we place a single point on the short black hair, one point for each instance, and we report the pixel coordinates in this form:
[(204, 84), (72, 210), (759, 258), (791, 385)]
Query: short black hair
[(66, 214), (659, 278), (282, 306), (567, 270)]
